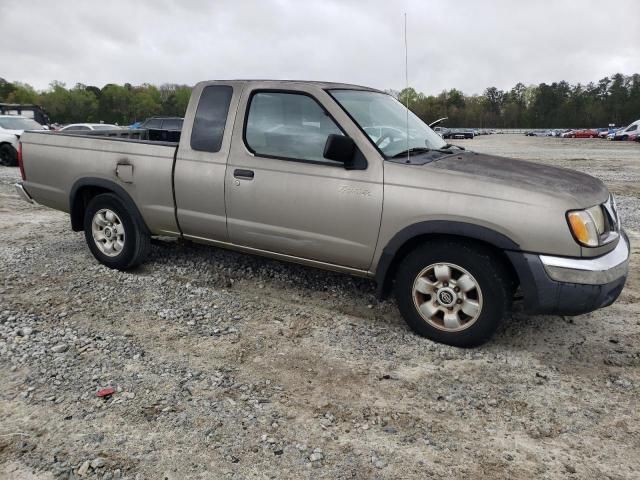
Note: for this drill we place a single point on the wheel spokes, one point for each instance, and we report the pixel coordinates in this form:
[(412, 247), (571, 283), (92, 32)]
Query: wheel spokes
[(425, 286), (447, 296), (442, 272), (470, 307), (466, 283), (451, 320), (429, 309), (100, 220), (108, 232)]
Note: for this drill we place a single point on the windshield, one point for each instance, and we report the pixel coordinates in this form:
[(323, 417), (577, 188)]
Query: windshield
[(19, 123), (384, 119)]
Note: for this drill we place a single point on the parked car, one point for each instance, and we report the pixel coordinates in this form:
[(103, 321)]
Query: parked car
[(568, 134), (586, 133), (459, 133), (441, 131), (162, 123), (87, 127), (34, 112), (539, 133), (604, 132), (11, 128), (628, 133), (287, 170)]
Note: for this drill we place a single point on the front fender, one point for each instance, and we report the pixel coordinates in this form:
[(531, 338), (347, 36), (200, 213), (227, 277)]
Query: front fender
[(435, 227)]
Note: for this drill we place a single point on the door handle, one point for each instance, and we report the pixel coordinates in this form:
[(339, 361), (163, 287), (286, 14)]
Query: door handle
[(244, 174)]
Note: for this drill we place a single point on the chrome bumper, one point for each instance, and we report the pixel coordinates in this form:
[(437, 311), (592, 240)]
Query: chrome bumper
[(590, 271), (23, 193)]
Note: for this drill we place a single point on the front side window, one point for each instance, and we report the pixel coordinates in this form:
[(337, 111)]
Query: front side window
[(289, 126), (384, 120), (211, 118)]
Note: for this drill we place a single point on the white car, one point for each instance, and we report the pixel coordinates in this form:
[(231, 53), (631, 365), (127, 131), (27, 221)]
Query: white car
[(11, 127), (628, 133), (86, 127)]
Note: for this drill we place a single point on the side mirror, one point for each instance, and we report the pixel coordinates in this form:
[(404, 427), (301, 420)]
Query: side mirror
[(339, 148)]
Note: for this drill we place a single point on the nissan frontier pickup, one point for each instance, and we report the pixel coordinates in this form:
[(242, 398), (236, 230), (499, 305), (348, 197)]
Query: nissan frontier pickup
[(338, 177)]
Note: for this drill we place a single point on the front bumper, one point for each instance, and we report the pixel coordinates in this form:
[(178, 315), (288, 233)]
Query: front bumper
[(571, 286)]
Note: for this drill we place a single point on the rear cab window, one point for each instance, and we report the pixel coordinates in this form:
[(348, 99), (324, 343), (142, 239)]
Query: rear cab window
[(211, 118)]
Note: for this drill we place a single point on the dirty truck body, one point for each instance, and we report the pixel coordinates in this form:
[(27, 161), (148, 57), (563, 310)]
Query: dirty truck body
[(326, 175)]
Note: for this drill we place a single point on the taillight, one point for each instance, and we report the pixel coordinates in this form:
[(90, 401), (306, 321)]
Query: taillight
[(24, 177)]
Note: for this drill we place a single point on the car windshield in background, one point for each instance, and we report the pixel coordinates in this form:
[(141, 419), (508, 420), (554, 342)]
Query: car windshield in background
[(18, 123), (384, 119)]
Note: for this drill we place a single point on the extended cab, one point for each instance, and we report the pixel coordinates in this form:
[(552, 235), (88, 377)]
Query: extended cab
[(338, 177)]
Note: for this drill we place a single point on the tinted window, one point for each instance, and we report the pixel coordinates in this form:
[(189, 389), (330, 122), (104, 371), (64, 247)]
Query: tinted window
[(152, 123), (172, 124), (211, 118), (76, 128), (288, 125)]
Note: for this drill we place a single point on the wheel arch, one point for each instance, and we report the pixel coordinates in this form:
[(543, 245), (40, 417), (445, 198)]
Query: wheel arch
[(407, 239), (85, 189)]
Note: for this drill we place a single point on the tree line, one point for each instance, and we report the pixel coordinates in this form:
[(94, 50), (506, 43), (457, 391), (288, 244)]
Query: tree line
[(614, 99), (122, 104)]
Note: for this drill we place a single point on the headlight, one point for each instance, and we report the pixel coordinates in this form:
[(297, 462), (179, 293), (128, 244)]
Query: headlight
[(587, 225)]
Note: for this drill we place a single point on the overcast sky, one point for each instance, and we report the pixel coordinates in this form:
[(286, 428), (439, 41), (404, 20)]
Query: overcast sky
[(466, 44)]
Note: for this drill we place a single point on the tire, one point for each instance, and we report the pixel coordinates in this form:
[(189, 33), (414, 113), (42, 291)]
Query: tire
[(8, 155), (124, 243), (468, 325)]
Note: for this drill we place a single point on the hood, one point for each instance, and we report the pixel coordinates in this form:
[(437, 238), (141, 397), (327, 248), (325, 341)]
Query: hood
[(11, 132), (584, 189)]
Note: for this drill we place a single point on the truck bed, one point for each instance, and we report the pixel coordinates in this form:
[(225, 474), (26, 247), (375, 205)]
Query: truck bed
[(141, 167)]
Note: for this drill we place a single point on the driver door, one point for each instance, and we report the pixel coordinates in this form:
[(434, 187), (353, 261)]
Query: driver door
[(283, 197)]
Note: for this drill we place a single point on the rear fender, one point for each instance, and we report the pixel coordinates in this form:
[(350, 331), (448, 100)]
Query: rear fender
[(86, 188)]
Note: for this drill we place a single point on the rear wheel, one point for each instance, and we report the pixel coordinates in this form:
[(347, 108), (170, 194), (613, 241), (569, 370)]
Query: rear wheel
[(8, 155), (112, 233), (454, 292)]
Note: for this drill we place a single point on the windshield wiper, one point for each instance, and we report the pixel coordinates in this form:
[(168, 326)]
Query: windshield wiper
[(411, 151)]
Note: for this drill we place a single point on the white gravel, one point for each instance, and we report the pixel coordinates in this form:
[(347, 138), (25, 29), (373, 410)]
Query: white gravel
[(231, 366)]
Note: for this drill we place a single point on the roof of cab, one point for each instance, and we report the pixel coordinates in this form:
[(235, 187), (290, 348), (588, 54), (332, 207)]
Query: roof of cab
[(318, 83)]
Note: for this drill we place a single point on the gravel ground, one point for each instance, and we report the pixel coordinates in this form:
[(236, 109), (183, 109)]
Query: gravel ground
[(231, 366)]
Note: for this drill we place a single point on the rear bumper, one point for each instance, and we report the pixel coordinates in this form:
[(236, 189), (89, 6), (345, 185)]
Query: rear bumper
[(23, 193), (571, 286)]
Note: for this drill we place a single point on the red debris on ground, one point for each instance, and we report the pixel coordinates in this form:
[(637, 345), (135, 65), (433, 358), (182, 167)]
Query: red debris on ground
[(105, 392)]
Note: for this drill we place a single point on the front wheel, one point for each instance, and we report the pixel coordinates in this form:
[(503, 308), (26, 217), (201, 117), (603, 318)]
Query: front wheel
[(454, 292), (112, 233), (8, 155)]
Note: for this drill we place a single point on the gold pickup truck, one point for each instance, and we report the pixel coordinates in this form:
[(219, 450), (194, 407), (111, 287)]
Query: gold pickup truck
[(344, 178)]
